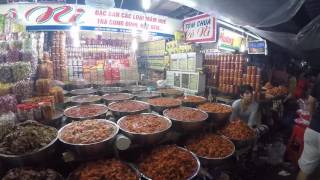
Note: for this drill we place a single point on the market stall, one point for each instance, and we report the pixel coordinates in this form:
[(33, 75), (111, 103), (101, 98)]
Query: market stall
[(92, 93)]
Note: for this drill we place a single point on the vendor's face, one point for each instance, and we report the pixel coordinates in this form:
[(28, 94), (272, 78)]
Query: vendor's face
[(247, 96)]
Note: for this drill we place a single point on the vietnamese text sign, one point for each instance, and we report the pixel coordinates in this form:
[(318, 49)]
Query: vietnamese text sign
[(229, 40), (55, 16), (257, 47), (200, 28)]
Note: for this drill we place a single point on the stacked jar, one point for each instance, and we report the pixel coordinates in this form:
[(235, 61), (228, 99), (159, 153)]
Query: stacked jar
[(35, 111), (28, 111), (211, 62), (59, 56), (230, 73), (252, 77)]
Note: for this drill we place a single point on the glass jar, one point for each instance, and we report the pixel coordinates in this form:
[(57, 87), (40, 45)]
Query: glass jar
[(21, 113), (37, 112), (29, 112), (46, 110)]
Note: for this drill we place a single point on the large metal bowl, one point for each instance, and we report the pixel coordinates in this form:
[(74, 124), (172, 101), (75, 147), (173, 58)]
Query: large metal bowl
[(160, 109), (119, 114), (83, 91), (102, 114), (137, 89), (108, 100), (92, 149), (77, 84), (217, 161), (240, 144), (166, 92), (34, 158), (56, 119), (146, 138), (218, 120), (85, 99), (187, 126), (108, 90), (193, 104), (145, 95), (195, 173), (72, 175)]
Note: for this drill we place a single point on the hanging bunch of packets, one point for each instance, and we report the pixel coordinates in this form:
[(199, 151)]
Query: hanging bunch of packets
[(23, 90), (5, 73), (21, 70), (5, 88), (2, 20), (17, 27), (8, 103)]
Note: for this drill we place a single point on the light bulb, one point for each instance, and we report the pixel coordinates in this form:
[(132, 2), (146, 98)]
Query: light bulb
[(145, 35), (76, 42), (242, 48), (146, 4), (99, 33), (134, 44), (134, 32), (74, 32)]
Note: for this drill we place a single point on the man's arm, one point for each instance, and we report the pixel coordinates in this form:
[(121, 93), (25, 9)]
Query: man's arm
[(254, 115), (235, 110), (311, 105)]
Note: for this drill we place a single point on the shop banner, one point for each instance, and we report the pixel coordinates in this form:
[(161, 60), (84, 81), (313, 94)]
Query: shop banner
[(60, 17), (200, 28), (257, 47), (229, 40)]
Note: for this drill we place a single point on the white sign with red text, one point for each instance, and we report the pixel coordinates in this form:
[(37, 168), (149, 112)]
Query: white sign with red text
[(200, 28), (58, 15)]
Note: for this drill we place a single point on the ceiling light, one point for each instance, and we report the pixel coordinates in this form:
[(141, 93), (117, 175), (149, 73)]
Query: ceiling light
[(242, 48), (146, 4), (75, 32), (145, 35), (134, 32), (99, 33), (134, 44)]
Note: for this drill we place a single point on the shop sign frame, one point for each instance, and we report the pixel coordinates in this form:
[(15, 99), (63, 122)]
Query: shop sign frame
[(200, 29), (229, 40), (257, 47)]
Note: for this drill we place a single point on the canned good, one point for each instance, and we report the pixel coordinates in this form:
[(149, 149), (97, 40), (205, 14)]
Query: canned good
[(46, 110), (254, 70), (257, 77), (257, 87), (249, 70), (231, 89), (37, 112), (236, 90), (252, 79)]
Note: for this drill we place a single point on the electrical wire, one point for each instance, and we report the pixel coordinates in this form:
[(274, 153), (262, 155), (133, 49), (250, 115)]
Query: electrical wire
[(121, 4)]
